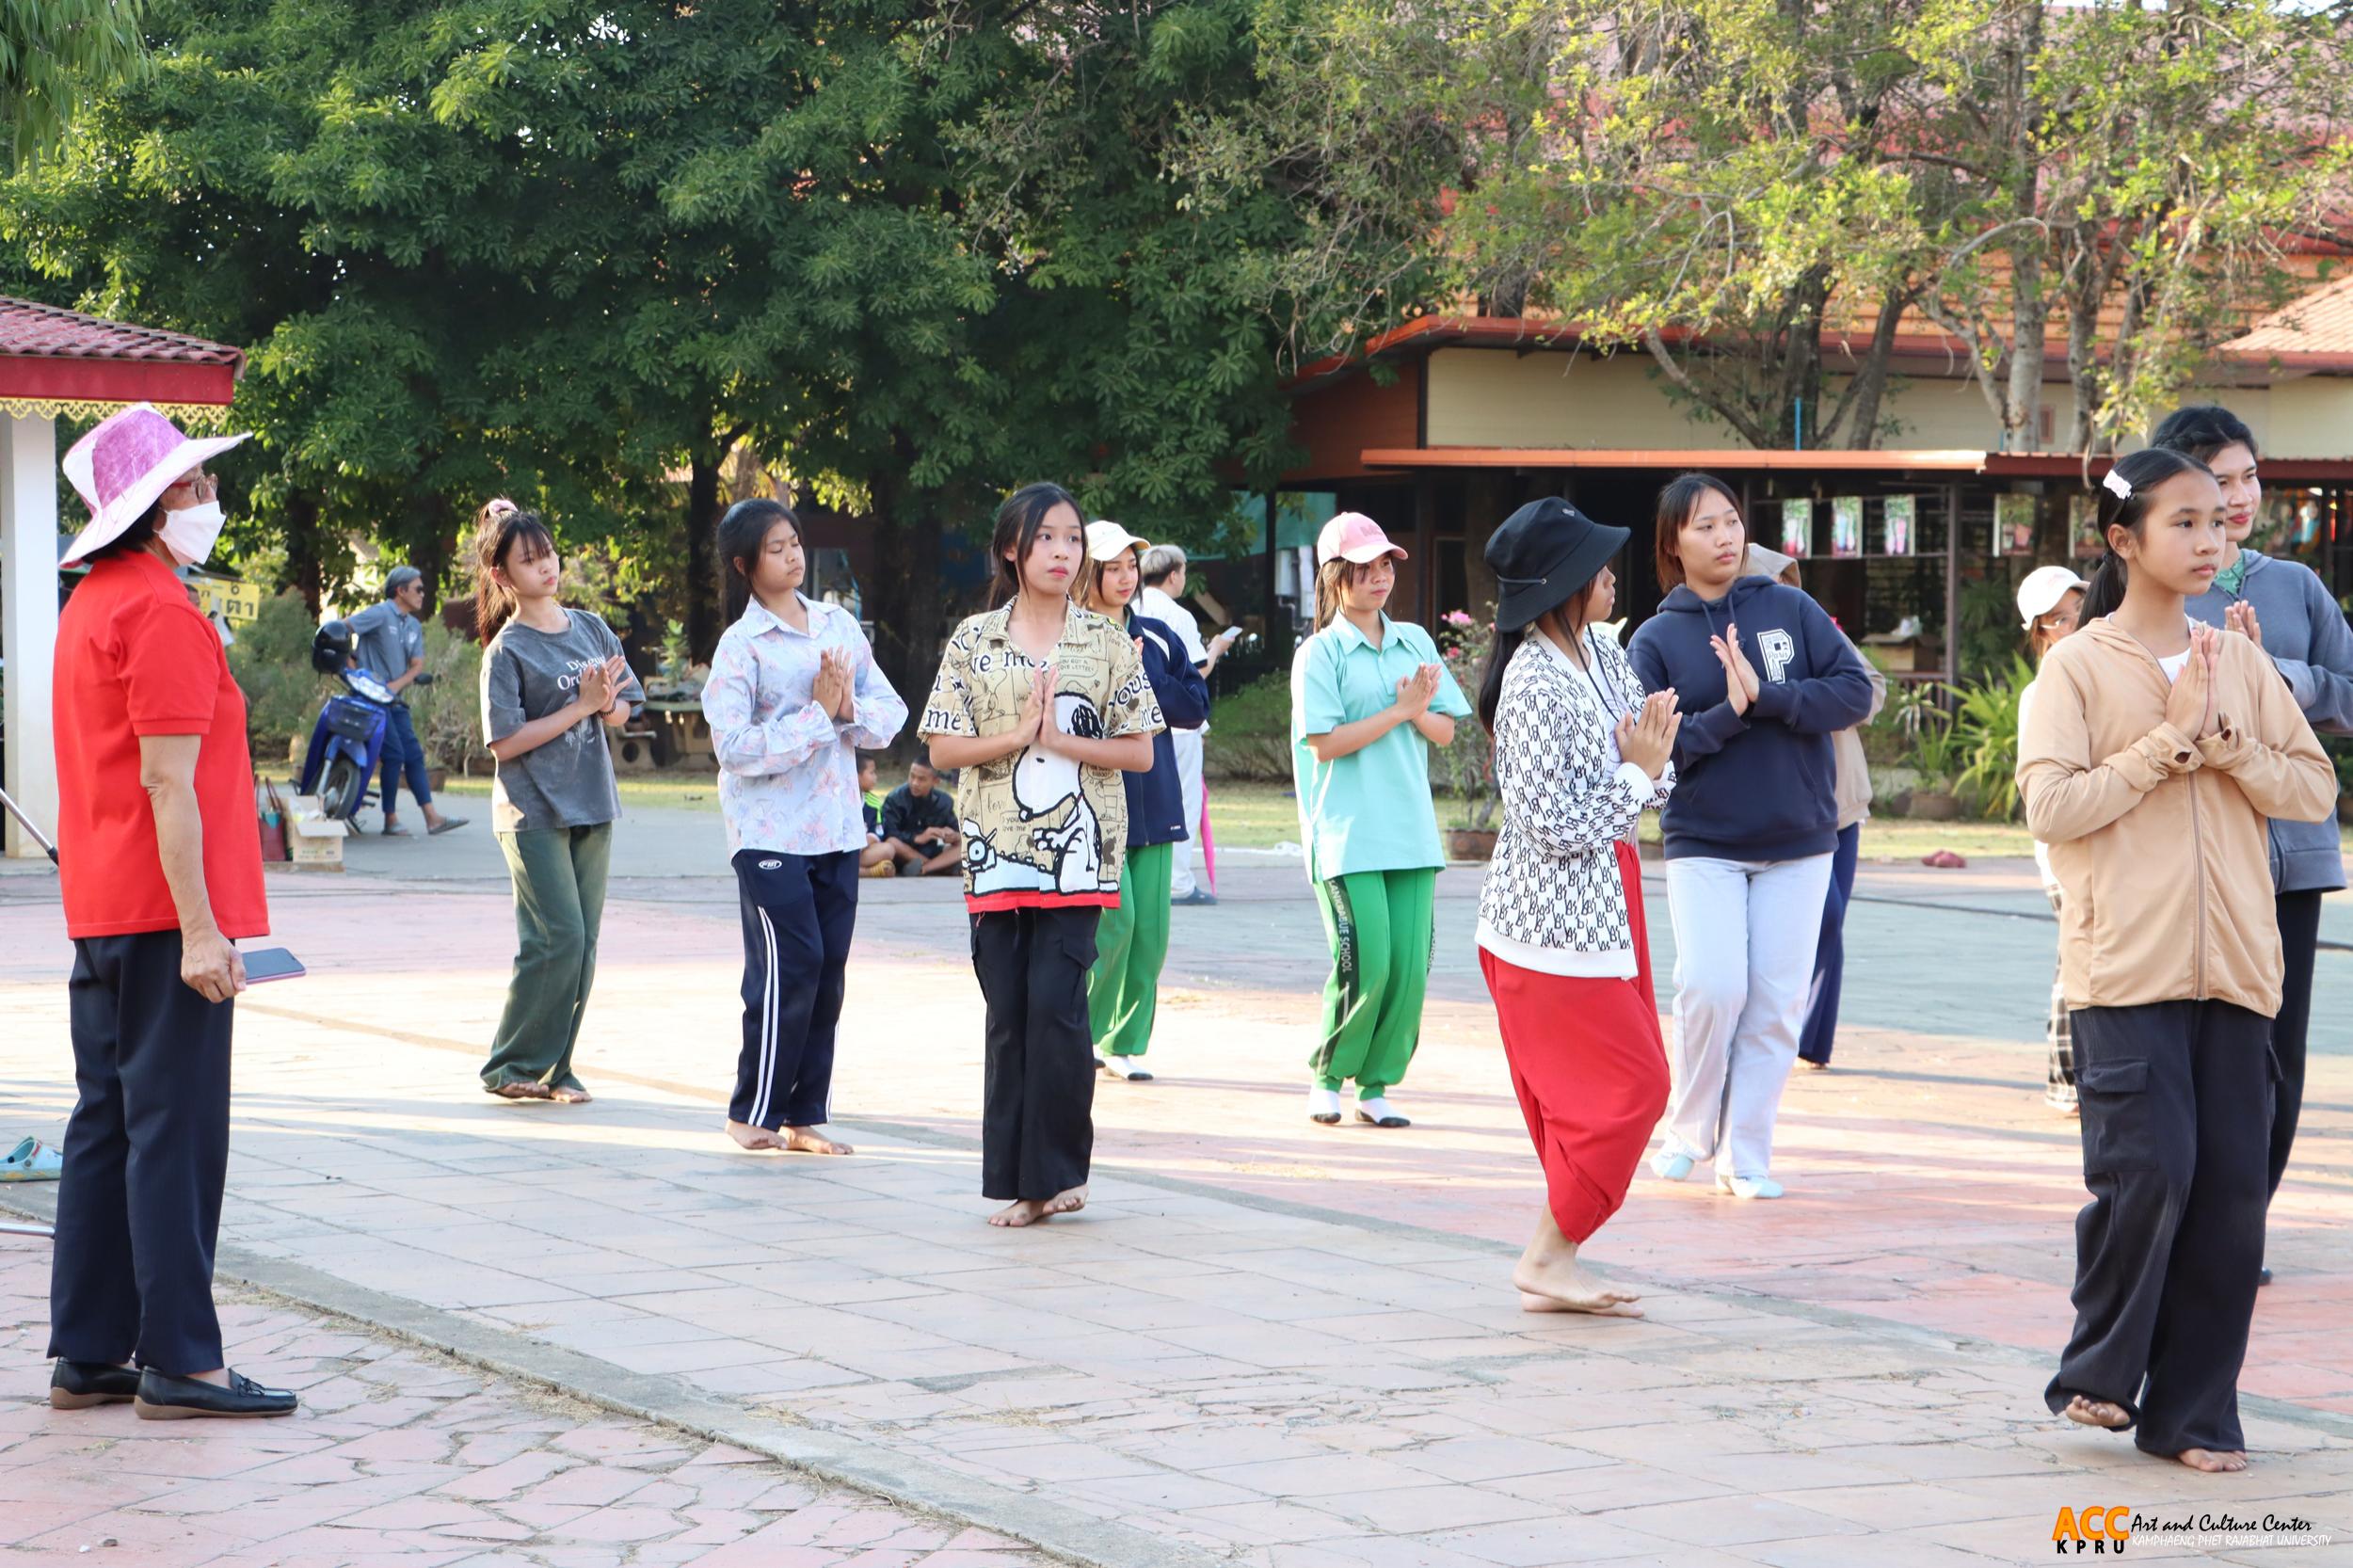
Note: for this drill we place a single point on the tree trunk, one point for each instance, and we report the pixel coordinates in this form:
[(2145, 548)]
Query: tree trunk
[(702, 575), (302, 572), (903, 601)]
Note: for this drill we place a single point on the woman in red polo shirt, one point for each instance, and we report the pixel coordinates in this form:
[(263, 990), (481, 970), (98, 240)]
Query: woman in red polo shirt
[(160, 857)]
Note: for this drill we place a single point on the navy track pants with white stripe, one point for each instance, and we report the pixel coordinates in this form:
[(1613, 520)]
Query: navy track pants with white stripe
[(799, 911)]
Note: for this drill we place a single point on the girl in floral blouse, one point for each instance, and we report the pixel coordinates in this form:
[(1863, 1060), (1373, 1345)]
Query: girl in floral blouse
[(1045, 704), (794, 694)]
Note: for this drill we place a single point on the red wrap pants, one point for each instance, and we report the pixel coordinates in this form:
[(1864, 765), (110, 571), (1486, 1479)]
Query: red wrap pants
[(1590, 1066)]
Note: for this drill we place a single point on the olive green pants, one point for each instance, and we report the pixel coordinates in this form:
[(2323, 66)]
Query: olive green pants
[(559, 903)]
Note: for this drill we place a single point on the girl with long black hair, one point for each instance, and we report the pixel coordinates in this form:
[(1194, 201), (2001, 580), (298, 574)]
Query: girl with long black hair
[(2155, 750), (552, 678), (1580, 750), (794, 694), (1047, 704)]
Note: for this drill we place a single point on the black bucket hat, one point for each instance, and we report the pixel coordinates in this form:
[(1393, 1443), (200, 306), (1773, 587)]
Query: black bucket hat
[(1543, 553)]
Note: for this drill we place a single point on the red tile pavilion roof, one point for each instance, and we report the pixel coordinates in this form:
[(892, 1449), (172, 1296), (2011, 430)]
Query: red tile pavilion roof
[(58, 361)]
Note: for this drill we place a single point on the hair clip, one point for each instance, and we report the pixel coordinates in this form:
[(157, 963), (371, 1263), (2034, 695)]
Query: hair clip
[(2116, 486)]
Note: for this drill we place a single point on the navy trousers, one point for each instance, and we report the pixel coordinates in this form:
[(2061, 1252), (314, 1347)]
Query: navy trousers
[(799, 911), (146, 1154), (1830, 952), (2176, 1100), (402, 754)]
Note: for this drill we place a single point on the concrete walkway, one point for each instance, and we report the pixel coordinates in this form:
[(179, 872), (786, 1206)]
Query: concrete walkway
[(1267, 1343)]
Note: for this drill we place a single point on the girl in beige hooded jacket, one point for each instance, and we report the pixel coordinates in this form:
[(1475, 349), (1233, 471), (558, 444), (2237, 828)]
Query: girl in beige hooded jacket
[(2153, 755)]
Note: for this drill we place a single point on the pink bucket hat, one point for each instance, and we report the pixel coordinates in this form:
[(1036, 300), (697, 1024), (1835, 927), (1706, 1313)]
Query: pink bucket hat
[(1354, 537), (124, 465)]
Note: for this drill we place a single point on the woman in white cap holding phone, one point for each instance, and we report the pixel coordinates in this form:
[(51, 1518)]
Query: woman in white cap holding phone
[(160, 861), (2050, 606), (1369, 698)]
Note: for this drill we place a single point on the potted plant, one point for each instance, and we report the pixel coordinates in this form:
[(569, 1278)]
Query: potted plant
[(1466, 769), (1936, 750)]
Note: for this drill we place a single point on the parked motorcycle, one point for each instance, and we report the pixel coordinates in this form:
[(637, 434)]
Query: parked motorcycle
[(347, 740)]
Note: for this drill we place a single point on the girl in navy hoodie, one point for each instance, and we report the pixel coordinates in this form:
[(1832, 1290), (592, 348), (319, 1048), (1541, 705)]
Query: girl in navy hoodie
[(1764, 679)]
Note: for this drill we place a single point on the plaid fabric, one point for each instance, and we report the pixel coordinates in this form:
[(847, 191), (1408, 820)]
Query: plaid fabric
[(2060, 1036)]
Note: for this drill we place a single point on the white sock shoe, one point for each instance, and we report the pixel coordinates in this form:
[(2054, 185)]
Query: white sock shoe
[(1379, 1112), (1749, 1187), (1323, 1105)]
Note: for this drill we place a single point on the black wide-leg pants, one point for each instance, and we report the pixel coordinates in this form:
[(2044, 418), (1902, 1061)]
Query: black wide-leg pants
[(146, 1154), (1037, 1118), (2176, 1099)]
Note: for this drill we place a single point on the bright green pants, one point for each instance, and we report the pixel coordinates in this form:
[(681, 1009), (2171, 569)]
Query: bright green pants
[(1132, 944), (1382, 926), (559, 903)]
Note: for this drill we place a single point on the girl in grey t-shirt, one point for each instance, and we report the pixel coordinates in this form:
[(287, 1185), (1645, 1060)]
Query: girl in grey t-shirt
[(552, 678)]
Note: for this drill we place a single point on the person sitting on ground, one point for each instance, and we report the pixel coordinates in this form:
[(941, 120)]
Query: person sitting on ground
[(918, 822), (388, 644), (877, 858)]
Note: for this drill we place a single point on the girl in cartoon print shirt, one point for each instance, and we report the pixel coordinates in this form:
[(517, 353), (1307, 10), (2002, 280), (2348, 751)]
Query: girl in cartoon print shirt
[(1045, 827)]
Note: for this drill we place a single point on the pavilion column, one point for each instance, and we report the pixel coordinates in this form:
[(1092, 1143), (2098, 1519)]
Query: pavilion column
[(28, 617)]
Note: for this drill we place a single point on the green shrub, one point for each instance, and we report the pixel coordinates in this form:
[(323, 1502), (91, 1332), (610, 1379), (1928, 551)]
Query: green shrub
[(1250, 731), (448, 714), (271, 660), (1986, 725)]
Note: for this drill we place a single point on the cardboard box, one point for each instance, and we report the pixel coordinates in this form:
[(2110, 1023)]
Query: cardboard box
[(313, 838)]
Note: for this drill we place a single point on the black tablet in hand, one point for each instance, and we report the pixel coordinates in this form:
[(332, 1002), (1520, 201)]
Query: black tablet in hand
[(271, 964)]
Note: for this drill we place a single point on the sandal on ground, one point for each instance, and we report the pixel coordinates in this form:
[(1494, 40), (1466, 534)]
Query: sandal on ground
[(520, 1089), (444, 826), (32, 1160), (569, 1094)]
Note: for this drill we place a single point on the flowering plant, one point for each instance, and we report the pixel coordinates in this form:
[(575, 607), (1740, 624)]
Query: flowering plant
[(1467, 768)]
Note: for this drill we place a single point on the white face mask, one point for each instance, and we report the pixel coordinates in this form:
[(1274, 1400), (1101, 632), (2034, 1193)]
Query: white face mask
[(191, 532)]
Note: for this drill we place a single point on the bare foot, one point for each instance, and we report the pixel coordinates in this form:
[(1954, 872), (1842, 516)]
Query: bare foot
[(1068, 1201), (2100, 1413), (753, 1137), (1024, 1211), (1550, 1281), (570, 1097), (2210, 1463), (809, 1141)]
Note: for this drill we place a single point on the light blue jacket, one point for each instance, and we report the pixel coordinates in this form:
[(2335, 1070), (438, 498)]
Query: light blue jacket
[(2307, 637)]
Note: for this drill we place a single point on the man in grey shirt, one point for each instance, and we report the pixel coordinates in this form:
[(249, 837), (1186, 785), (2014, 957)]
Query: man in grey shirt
[(390, 645)]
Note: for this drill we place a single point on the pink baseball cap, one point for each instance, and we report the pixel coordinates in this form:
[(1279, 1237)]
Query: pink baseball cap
[(1354, 537)]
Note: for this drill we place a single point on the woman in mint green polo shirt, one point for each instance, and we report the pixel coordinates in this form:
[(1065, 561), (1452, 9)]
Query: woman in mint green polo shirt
[(1369, 698)]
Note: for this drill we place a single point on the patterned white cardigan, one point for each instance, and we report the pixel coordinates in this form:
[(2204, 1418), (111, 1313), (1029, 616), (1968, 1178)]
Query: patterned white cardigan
[(1554, 883)]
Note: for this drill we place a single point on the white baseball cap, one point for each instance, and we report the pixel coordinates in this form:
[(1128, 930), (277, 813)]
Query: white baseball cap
[(2040, 594), (1107, 540)]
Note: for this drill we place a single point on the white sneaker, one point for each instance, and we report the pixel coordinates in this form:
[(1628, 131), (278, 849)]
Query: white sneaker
[(1671, 1164), (1323, 1105), (1379, 1112), (1749, 1187), (1130, 1067)]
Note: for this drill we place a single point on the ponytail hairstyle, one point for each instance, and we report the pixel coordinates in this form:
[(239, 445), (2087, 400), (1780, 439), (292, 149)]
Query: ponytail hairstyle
[(1576, 618), (1676, 504), (1331, 577), (500, 528), (1018, 519), (743, 534), (2202, 430), (2123, 499)]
